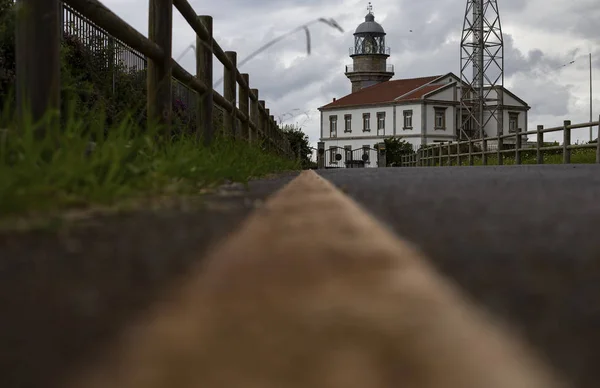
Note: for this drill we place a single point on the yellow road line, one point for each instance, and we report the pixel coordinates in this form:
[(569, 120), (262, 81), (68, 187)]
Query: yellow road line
[(310, 292)]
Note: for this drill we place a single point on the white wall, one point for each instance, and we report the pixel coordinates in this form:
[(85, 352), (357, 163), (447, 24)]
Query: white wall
[(357, 121), (450, 121), (445, 95), (416, 120), (415, 141), (509, 100), (491, 126), (446, 80), (357, 138), (356, 144)]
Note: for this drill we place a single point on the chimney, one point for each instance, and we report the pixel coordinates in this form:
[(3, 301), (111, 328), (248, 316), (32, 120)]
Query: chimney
[(333, 99)]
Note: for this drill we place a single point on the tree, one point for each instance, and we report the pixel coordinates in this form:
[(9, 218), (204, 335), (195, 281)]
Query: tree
[(395, 148), (299, 144)]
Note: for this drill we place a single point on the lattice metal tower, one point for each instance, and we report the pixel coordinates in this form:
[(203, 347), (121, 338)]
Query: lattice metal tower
[(481, 70)]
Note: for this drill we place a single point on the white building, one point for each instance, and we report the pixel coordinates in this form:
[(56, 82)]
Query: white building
[(421, 110)]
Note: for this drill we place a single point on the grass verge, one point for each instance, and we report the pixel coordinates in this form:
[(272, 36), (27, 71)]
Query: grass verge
[(578, 156), (54, 173)]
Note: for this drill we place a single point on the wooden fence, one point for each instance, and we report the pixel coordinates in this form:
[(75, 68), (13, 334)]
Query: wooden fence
[(38, 64), (449, 154)]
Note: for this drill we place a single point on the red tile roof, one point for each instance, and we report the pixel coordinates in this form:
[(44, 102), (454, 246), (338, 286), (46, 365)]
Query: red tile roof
[(387, 92)]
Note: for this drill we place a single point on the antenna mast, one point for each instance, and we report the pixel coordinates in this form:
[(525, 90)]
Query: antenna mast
[(482, 53)]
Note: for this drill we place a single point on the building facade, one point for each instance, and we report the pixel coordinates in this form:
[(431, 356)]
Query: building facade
[(421, 111)]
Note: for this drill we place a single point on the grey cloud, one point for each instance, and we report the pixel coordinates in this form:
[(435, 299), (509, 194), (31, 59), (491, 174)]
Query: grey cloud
[(433, 48)]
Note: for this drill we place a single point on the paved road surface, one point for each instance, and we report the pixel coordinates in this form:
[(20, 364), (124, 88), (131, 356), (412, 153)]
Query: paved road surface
[(522, 240), (65, 292)]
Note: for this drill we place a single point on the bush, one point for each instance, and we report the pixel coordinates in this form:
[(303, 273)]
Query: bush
[(90, 79), (395, 148)]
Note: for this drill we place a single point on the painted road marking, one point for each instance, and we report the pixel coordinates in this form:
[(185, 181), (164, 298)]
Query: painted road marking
[(312, 291)]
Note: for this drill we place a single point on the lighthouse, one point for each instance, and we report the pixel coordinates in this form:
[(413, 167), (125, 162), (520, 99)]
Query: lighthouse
[(369, 55)]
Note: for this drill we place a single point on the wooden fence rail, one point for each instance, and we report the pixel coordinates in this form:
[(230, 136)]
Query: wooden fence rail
[(246, 117), (436, 155)]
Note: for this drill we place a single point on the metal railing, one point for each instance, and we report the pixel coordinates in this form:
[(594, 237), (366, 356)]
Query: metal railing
[(351, 69), (448, 154), (361, 51), (244, 115), (97, 39)]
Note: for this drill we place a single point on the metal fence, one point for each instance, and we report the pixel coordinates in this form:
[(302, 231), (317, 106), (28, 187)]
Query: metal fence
[(343, 157), (449, 154), (98, 40), (122, 56)]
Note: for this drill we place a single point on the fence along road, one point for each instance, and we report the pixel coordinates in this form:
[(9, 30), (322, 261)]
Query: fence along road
[(435, 155), (38, 61)]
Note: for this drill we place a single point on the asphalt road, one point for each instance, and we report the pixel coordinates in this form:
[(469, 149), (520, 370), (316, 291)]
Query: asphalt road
[(520, 240), (66, 292)]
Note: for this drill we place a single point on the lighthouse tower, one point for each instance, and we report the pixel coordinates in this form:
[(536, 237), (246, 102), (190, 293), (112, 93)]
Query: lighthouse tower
[(369, 55)]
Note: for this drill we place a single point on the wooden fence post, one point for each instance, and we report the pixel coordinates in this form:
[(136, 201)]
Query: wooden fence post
[(470, 152), (160, 92), (244, 96), (566, 142), (518, 146), (37, 54), (263, 122), (540, 144), (204, 72), (229, 89), (500, 145), (255, 116), (430, 160), (484, 149), (273, 129), (268, 128)]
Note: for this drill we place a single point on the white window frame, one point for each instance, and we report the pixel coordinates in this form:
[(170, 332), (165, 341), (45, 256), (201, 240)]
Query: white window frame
[(439, 112), (366, 122), (408, 116), (380, 123), (511, 116), (348, 123), (333, 126)]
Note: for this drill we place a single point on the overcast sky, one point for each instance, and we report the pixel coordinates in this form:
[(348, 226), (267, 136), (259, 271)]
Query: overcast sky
[(539, 37)]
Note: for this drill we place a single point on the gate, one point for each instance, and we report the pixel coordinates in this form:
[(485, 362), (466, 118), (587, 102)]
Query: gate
[(343, 157)]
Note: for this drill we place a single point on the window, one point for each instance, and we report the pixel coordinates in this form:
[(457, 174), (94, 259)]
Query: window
[(348, 151), (347, 123), (366, 122), (332, 153), (440, 118), (380, 123), (408, 119), (513, 122), (333, 126)]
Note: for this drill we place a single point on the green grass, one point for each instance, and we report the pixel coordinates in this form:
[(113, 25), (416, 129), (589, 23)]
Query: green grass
[(578, 156), (42, 175)]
